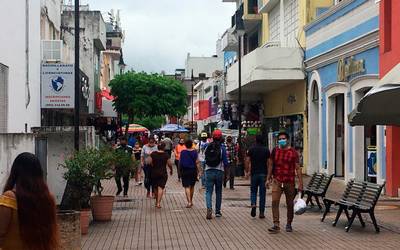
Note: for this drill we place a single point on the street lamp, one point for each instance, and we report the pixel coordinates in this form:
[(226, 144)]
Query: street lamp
[(77, 78), (121, 64), (239, 33)]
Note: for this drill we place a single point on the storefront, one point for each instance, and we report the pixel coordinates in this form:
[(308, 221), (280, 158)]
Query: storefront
[(285, 111), (342, 66)]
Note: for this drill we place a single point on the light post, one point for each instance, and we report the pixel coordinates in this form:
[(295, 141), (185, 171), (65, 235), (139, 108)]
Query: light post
[(77, 78), (193, 83), (239, 33)]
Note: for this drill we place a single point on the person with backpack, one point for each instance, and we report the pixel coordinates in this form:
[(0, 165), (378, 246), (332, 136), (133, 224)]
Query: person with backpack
[(258, 160), (189, 166), (286, 166), (216, 162), (201, 148)]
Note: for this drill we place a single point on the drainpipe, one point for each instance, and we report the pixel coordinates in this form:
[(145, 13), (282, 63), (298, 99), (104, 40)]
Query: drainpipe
[(27, 91)]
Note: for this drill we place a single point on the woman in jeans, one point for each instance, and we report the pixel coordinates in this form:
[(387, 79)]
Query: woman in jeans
[(27, 209), (189, 165)]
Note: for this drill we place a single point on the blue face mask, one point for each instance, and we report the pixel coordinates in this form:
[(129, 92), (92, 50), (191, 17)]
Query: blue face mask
[(282, 143)]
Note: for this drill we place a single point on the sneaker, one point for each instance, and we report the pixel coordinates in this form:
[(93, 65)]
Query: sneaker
[(274, 229), (261, 216), (253, 212), (218, 214), (232, 188), (125, 195), (209, 214), (289, 228), (119, 192)]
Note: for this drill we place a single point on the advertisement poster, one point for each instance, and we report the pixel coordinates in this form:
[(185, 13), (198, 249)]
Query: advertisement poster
[(371, 162), (57, 85)]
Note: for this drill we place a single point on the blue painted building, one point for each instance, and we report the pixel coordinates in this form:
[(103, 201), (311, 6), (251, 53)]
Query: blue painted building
[(342, 61)]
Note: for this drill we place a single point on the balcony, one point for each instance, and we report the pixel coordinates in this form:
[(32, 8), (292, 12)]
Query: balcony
[(251, 15), (229, 41), (267, 68), (267, 5)]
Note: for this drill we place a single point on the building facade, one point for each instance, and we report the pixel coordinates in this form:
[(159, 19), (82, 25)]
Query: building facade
[(273, 77), (389, 68), (342, 58)]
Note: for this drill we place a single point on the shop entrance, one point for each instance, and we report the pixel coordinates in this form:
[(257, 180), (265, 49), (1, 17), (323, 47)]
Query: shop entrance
[(339, 135)]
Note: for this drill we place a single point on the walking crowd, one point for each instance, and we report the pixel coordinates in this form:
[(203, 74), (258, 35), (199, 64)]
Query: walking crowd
[(211, 160)]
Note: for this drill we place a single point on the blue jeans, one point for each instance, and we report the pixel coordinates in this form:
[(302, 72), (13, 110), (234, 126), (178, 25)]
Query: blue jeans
[(258, 182), (203, 177), (215, 178)]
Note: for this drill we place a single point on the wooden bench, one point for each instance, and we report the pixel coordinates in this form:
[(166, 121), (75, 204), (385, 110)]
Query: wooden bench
[(316, 188), (359, 197)]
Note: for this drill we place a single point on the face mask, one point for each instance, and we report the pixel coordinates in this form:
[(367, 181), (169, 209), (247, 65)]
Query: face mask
[(229, 141), (282, 143)]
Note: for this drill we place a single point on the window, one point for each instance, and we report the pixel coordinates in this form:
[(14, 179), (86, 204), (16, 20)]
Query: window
[(3, 98), (273, 22), (291, 22), (315, 92)]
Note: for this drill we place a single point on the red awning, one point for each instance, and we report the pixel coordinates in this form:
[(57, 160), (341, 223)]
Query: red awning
[(106, 93)]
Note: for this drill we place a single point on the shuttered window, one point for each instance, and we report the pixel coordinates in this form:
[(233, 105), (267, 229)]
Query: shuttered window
[(3, 98)]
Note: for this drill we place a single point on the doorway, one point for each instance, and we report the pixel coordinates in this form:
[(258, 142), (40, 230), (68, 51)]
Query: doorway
[(339, 136)]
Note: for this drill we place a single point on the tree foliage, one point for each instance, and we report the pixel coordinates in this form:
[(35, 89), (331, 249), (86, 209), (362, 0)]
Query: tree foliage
[(141, 95), (151, 122)]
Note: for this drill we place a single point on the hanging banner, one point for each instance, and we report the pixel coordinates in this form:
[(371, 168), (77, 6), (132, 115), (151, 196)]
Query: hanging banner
[(57, 85)]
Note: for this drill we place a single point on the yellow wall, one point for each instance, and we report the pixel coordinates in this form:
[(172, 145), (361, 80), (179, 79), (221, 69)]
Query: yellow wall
[(276, 102), (307, 13)]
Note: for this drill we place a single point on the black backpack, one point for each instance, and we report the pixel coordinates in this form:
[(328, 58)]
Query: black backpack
[(213, 154)]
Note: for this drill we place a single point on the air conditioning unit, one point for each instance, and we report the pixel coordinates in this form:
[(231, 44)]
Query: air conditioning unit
[(52, 50)]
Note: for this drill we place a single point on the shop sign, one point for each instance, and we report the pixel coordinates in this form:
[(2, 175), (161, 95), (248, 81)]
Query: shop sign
[(371, 161), (57, 85), (349, 67)]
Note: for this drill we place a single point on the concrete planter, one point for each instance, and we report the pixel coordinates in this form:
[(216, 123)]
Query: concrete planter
[(70, 229), (102, 207)]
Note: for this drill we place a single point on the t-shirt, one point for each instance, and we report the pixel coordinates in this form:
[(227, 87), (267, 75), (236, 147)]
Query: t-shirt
[(168, 143), (178, 149), (259, 157), (202, 149), (159, 163), (137, 152), (146, 152), (188, 158)]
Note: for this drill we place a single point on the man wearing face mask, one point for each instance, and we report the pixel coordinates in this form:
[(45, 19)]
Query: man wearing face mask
[(286, 165)]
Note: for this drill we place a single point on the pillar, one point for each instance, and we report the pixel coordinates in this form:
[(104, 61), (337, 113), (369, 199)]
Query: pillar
[(392, 161)]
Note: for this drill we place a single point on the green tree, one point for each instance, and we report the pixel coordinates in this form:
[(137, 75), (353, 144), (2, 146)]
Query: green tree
[(141, 95)]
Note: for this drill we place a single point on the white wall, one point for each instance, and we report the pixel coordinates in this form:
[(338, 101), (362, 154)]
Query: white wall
[(207, 65), (11, 145), (21, 109)]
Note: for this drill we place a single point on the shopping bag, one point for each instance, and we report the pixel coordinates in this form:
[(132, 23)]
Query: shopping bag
[(300, 206)]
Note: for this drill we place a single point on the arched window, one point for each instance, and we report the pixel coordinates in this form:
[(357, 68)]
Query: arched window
[(315, 92)]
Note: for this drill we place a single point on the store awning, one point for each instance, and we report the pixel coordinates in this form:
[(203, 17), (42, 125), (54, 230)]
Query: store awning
[(380, 106)]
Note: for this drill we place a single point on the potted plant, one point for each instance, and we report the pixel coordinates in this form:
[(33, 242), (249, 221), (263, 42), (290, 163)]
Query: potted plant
[(102, 170), (80, 184)]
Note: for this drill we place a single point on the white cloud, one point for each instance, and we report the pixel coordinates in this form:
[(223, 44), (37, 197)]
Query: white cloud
[(159, 33)]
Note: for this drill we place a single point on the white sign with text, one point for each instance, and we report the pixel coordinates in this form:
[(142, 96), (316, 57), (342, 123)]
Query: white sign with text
[(57, 83)]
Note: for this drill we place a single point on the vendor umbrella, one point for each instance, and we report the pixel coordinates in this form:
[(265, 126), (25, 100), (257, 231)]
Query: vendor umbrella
[(173, 128), (135, 128)]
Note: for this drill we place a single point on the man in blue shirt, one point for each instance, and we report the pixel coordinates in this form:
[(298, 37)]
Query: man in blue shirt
[(216, 162)]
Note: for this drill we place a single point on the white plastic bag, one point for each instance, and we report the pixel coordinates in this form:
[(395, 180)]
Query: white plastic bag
[(300, 206)]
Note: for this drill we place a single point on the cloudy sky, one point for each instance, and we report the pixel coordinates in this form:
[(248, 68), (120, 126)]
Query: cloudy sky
[(160, 33)]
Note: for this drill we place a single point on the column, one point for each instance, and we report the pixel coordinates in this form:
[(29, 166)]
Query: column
[(392, 161)]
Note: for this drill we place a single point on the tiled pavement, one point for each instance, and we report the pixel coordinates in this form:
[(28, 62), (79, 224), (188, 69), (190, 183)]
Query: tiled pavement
[(136, 224)]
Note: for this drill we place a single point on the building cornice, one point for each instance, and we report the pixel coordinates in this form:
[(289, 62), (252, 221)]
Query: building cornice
[(332, 10), (353, 47)]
